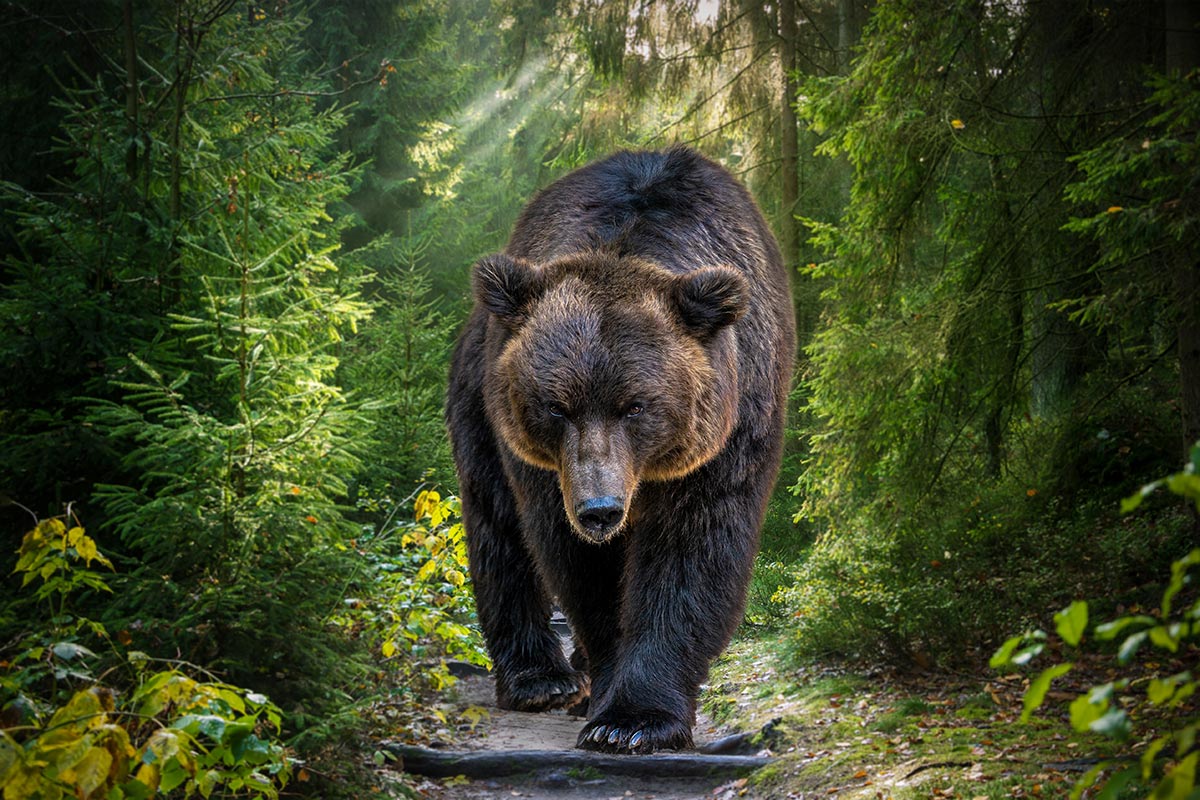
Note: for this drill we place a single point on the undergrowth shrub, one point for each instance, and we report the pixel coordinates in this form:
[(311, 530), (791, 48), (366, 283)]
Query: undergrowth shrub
[(137, 731), (945, 576), (1169, 756), (418, 608)]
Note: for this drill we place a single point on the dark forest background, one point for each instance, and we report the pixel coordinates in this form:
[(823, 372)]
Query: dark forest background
[(235, 244)]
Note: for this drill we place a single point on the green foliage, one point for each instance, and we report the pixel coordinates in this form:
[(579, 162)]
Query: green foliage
[(179, 317), (53, 653), (174, 736), (1135, 194), (958, 411), (233, 436), (1111, 708), (419, 607), (397, 365), (170, 734)]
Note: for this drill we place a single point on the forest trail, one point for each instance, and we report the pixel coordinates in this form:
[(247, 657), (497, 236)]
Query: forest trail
[(579, 776), (514, 754)]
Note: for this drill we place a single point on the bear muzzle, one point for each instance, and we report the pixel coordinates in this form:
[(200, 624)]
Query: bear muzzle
[(600, 516)]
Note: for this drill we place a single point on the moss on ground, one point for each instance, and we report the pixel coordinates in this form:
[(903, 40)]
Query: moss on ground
[(875, 733)]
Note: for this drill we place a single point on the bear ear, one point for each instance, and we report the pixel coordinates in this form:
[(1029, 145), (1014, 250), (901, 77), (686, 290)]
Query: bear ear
[(506, 287), (711, 298)]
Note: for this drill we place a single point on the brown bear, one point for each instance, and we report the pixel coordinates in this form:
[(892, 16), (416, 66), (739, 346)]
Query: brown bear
[(616, 408)]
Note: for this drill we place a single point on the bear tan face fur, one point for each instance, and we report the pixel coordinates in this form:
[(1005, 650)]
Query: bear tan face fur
[(613, 371)]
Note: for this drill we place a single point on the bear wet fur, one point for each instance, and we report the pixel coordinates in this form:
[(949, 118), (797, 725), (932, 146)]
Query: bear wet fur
[(616, 409)]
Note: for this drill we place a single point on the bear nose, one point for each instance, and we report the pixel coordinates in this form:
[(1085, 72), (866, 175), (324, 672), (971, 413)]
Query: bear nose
[(600, 514)]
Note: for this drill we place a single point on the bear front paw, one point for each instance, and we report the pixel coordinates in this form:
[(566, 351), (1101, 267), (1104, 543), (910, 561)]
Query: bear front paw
[(542, 690), (635, 733)]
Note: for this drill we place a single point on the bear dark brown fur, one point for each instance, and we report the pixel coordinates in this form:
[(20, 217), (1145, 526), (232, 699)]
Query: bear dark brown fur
[(616, 408)]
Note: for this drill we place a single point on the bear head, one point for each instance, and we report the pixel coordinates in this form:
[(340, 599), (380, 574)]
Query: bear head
[(610, 371)]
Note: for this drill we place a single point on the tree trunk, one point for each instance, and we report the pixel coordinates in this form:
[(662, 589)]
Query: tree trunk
[(1182, 56), (1187, 286), (789, 142), (847, 34), (131, 91)]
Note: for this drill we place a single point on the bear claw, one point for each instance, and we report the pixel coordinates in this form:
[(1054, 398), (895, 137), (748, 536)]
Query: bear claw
[(542, 691), (636, 737)]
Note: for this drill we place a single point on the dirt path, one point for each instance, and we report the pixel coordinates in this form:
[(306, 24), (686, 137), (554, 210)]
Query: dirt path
[(518, 733)]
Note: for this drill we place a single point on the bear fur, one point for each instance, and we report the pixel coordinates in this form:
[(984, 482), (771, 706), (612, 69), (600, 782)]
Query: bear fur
[(616, 409)]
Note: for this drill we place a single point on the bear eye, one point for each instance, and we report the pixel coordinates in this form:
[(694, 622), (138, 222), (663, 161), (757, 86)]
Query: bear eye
[(634, 409), (555, 410)]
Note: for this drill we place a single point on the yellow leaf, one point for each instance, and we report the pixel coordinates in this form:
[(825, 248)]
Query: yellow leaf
[(426, 570), (472, 715), (75, 536), (957, 124), (455, 577), (148, 775), (389, 649), (91, 772), (427, 501), (86, 548), (1115, 209)]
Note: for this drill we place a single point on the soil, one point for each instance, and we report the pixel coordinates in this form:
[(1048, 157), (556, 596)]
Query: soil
[(502, 731)]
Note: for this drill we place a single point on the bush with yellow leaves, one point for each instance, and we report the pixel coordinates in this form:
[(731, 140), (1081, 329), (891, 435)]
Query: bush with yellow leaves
[(64, 733), (421, 609)]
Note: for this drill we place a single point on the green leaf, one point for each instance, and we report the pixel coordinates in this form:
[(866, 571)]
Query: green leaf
[(1185, 739), (1008, 654), (70, 650), (1179, 577), (1117, 783), (1134, 500), (92, 770), (9, 755), (1130, 646), (1151, 753), (135, 790), (1185, 485), (1179, 782), (1071, 622), (1035, 695), (1114, 724), (1084, 712), (1174, 689), (1166, 636), (173, 775), (233, 699), (1110, 630)]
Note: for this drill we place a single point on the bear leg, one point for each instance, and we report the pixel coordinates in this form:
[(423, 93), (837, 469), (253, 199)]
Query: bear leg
[(532, 672), (531, 669), (584, 577), (683, 597)]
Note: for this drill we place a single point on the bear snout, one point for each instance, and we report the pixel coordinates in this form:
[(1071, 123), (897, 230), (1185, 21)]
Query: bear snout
[(600, 515)]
